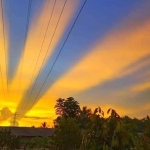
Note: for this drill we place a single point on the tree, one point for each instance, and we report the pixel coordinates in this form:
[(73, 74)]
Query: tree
[(98, 132), (15, 142), (84, 117), (9, 141), (86, 112), (67, 134), (38, 143), (5, 138), (143, 139), (107, 133), (68, 108), (44, 125)]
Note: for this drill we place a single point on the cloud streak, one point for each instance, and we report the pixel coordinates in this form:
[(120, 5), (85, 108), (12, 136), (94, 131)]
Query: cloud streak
[(121, 56), (69, 10), (106, 59)]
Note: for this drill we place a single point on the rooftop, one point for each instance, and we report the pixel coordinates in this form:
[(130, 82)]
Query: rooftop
[(29, 131)]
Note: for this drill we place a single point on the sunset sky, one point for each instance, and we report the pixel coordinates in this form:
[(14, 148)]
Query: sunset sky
[(104, 59)]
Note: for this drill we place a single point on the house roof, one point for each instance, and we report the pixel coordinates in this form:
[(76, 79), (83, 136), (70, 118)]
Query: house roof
[(29, 131)]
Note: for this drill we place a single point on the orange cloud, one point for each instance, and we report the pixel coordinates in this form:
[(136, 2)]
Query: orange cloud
[(106, 60)]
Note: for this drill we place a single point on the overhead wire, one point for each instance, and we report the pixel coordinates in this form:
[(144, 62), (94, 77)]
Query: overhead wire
[(47, 27), (4, 39), (59, 53), (25, 42), (47, 50)]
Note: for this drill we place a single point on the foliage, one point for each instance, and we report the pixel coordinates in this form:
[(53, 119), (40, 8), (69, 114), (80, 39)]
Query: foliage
[(100, 133), (15, 142), (143, 139), (67, 134), (44, 125), (67, 108), (70, 108), (84, 117), (9, 141), (5, 137), (38, 142), (107, 133)]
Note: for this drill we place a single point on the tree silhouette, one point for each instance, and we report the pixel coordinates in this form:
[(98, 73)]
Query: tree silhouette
[(68, 108), (67, 134), (107, 133), (84, 118), (44, 125), (98, 133)]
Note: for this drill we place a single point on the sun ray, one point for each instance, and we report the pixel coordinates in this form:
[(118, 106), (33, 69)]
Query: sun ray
[(33, 38)]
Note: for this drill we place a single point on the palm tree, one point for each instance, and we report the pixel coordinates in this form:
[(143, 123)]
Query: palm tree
[(44, 125), (84, 117)]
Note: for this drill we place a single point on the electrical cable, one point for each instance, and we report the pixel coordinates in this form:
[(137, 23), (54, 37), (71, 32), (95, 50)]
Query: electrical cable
[(47, 50), (59, 52), (49, 21)]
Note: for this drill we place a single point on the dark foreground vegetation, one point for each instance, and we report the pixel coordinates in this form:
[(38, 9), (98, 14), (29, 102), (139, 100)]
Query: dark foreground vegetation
[(81, 129)]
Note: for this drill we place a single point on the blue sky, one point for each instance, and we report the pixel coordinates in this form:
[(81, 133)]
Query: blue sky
[(105, 61)]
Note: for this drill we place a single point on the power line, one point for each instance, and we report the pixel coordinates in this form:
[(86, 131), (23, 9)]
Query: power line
[(49, 21), (59, 52), (35, 51), (4, 42), (25, 41), (47, 49)]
